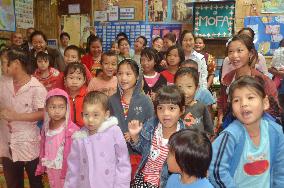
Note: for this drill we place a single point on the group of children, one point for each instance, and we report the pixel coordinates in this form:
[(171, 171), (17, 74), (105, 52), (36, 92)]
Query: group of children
[(109, 121)]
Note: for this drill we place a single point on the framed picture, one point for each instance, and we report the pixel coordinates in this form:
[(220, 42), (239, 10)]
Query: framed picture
[(127, 13)]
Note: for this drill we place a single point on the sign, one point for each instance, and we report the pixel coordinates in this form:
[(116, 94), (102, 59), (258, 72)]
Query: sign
[(74, 8), (101, 16), (214, 20), (113, 13), (269, 30), (24, 13), (126, 13)]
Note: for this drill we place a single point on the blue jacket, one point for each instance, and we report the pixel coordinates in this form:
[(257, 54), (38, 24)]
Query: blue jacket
[(227, 150), (144, 144)]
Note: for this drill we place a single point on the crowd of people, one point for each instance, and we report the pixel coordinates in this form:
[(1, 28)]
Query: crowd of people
[(141, 117)]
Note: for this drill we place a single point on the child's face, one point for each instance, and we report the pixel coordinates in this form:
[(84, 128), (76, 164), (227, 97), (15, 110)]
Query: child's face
[(158, 45), (168, 115), (173, 58), (248, 106), (109, 65), (238, 54), (188, 42), (93, 116), (124, 47), (64, 41), (56, 108), (75, 80), (4, 65), (147, 64), (71, 56), (139, 44), (187, 85), (13, 68), (172, 163), (42, 64), (126, 77), (199, 45), (167, 43), (96, 48), (114, 48)]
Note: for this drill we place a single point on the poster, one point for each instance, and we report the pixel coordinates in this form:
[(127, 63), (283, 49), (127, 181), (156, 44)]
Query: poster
[(127, 13), (101, 16), (162, 29), (182, 11), (269, 30), (214, 20), (157, 10), (24, 13), (74, 32), (272, 6), (7, 15), (113, 13)]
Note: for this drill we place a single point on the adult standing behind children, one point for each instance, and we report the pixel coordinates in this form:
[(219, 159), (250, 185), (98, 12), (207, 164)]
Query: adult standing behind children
[(64, 42)]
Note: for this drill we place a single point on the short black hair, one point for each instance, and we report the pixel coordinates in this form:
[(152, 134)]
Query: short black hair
[(183, 35), (189, 62), (180, 52), (38, 33), (188, 71), (144, 39), (109, 53), (171, 36), (193, 151), (44, 56), (91, 39), (95, 97), (21, 55), (156, 38), (64, 34), (72, 67), (123, 39), (151, 53), (133, 65), (169, 95), (73, 47), (121, 34)]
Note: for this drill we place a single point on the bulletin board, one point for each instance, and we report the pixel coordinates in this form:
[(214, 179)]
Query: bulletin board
[(269, 30), (108, 31)]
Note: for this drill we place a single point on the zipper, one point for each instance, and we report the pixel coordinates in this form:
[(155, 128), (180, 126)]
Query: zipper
[(74, 110)]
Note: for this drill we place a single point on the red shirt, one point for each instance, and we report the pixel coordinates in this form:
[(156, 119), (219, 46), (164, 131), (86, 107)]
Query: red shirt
[(51, 81), (169, 77)]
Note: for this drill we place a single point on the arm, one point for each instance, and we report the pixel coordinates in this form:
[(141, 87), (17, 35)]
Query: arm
[(73, 163), (203, 73), (207, 121), (219, 170), (123, 167), (11, 115)]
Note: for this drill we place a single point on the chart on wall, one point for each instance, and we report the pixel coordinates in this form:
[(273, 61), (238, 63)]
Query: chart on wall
[(24, 13), (269, 30), (272, 6), (108, 31), (7, 15), (214, 20)]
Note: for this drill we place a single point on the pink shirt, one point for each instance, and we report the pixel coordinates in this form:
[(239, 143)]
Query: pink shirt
[(151, 80), (24, 135), (108, 87)]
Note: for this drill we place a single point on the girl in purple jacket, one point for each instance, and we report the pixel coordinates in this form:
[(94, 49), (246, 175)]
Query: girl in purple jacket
[(99, 155)]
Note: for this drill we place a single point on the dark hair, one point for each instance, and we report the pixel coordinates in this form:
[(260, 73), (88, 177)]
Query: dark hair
[(44, 56), (95, 97), (18, 54), (72, 67), (109, 53), (248, 42), (121, 34), (133, 65), (192, 150), (156, 38), (247, 29), (180, 52), (144, 39), (38, 33), (73, 47), (256, 83), (171, 36), (151, 53), (199, 37), (183, 35), (64, 34), (123, 39), (169, 95), (281, 43), (91, 39), (188, 71), (190, 62)]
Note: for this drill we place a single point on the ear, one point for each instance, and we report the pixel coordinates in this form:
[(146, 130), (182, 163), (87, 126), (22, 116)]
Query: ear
[(107, 114), (266, 104)]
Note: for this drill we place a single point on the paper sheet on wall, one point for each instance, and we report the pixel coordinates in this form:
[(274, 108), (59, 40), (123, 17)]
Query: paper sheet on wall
[(71, 24), (7, 16), (24, 13)]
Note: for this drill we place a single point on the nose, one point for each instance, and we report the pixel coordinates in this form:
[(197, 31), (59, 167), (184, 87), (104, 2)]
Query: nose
[(244, 103)]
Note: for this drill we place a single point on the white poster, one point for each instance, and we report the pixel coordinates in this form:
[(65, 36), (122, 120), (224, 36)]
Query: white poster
[(113, 13), (101, 16), (24, 13)]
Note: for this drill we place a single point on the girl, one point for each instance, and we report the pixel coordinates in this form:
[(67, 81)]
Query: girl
[(151, 139), (21, 106), (196, 113), (124, 49), (56, 138), (174, 57), (190, 154), (114, 47), (249, 152), (93, 57), (187, 43), (152, 79), (139, 44), (75, 86), (169, 40), (130, 102), (242, 53), (158, 44), (99, 156)]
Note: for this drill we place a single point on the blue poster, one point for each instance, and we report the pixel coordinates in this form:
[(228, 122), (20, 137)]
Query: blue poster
[(269, 30)]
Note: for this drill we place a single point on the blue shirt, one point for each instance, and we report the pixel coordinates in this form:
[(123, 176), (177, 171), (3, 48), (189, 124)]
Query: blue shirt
[(175, 182), (204, 96)]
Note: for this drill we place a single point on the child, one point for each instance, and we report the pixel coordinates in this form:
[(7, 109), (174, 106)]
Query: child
[(93, 57), (107, 83), (139, 45), (45, 73), (21, 106), (196, 113), (130, 102), (124, 49), (152, 79), (190, 154), (158, 44), (249, 152), (99, 155), (75, 84), (151, 139), (169, 40), (174, 57), (56, 138), (114, 47)]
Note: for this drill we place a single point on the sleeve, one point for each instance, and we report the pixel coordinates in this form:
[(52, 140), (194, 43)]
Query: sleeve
[(123, 167), (203, 73), (39, 97), (207, 121), (225, 68), (223, 152), (149, 109), (170, 182), (278, 170), (221, 101), (73, 163)]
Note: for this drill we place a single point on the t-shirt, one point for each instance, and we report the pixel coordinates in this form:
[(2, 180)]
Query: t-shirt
[(169, 76), (204, 96), (108, 87), (151, 80), (174, 181)]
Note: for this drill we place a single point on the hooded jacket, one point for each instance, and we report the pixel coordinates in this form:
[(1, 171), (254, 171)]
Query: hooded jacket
[(70, 128)]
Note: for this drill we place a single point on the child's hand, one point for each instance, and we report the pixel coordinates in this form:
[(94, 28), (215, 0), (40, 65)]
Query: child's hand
[(164, 63), (127, 137), (134, 128)]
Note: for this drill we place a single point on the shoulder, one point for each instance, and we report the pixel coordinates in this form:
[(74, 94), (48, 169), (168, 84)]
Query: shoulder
[(275, 127), (198, 55), (52, 51), (81, 134), (35, 84), (173, 180)]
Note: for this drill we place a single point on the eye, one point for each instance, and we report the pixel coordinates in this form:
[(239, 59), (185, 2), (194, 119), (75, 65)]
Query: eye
[(251, 97), (235, 100), (159, 108)]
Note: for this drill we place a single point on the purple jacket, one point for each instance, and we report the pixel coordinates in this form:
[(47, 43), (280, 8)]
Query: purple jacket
[(99, 160)]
